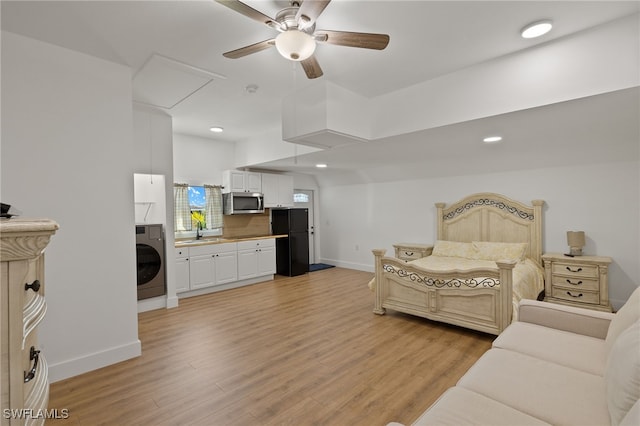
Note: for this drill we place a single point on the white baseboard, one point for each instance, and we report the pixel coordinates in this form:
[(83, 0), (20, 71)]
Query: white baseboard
[(216, 288), (90, 362), (349, 265)]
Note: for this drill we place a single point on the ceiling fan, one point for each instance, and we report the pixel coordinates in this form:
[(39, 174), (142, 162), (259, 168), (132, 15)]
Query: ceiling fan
[(298, 35)]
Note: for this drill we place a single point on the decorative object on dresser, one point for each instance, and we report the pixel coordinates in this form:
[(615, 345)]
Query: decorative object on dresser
[(485, 260), (578, 281), (575, 240), (23, 375)]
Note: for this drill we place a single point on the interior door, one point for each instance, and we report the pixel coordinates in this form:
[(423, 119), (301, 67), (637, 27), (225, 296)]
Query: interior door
[(303, 198)]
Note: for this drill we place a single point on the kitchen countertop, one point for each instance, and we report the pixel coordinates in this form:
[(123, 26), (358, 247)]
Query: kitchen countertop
[(220, 240)]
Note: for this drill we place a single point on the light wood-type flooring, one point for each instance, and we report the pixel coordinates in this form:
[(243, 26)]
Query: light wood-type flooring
[(304, 350)]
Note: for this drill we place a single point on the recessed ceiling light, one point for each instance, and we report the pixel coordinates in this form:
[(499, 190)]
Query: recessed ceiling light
[(492, 139), (321, 166), (216, 129), (536, 29)]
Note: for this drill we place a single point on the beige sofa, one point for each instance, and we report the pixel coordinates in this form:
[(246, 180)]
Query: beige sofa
[(557, 365)]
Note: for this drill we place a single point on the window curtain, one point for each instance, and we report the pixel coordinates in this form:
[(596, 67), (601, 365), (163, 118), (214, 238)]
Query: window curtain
[(213, 197), (182, 216)]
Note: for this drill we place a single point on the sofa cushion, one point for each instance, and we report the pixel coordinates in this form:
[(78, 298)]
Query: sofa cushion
[(459, 406), (622, 375), (627, 315), (539, 388), (561, 347)]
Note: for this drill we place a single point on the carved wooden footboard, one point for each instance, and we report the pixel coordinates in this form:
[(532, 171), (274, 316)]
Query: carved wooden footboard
[(479, 299)]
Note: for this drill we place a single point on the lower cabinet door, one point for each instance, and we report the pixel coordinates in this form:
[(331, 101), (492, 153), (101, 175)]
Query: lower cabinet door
[(247, 263), (267, 261), (202, 271), (226, 269), (182, 275)]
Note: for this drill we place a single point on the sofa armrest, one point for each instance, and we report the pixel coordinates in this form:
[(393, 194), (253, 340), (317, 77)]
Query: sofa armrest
[(568, 318)]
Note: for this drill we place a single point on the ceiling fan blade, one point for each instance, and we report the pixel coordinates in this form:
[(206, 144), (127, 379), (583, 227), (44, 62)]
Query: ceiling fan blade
[(312, 67), (252, 48), (250, 12), (345, 38), (309, 11)]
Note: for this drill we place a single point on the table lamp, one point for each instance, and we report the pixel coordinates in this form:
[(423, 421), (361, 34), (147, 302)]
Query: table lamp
[(575, 240)]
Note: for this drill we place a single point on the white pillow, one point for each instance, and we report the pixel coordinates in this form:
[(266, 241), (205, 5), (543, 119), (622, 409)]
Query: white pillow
[(622, 374), (627, 315), (453, 249), (488, 250)]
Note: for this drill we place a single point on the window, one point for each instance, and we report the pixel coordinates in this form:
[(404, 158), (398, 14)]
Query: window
[(300, 198), (198, 207)]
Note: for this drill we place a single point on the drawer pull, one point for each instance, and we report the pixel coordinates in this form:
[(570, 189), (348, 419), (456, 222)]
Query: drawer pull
[(34, 356), (572, 283), (574, 270), (408, 253), (573, 295), (35, 286)]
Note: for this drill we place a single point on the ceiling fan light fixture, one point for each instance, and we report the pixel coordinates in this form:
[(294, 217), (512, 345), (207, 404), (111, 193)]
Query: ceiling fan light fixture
[(295, 45), (536, 29)]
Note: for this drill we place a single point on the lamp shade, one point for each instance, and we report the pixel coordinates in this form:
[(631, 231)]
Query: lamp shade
[(575, 241), (295, 45)]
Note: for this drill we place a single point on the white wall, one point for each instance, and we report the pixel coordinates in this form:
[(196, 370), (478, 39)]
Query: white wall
[(198, 161), (67, 155), (600, 199), (153, 155)]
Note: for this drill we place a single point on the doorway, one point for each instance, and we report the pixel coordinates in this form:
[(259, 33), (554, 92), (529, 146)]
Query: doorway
[(303, 198)]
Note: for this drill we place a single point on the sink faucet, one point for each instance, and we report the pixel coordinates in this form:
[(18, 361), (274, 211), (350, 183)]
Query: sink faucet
[(198, 228)]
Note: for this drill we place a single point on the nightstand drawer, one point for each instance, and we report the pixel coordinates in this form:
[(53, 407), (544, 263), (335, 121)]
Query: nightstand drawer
[(571, 269), (576, 295), (410, 251), (576, 283), (408, 255)]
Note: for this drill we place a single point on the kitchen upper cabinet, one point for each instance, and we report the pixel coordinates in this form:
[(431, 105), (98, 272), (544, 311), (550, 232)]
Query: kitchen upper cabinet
[(256, 258), (278, 190), (241, 181)]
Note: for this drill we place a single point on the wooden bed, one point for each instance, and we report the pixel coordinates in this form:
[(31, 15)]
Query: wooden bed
[(479, 298)]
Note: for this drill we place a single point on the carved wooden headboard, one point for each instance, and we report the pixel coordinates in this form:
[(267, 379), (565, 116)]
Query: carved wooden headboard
[(492, 217)]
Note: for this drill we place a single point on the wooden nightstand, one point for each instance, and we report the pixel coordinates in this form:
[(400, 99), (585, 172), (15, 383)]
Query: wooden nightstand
[(578, 281), (410, 251)]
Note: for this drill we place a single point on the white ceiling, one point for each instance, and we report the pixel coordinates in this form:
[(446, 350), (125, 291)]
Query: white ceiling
[(427, 39)]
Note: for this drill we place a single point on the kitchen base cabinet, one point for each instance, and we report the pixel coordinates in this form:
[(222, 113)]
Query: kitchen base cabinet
[(182, 269), (256, 258), (206, 268), (212, 264), (24, 385)]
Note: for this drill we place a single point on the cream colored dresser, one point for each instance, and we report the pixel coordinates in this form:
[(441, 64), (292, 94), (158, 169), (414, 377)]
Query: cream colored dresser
[(23, 375), (578, 281)]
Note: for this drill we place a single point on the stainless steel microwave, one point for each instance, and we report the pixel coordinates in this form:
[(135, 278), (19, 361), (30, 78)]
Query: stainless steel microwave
[(243, 202)]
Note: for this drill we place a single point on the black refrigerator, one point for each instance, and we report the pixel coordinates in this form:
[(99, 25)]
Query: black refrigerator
[(292, 252)]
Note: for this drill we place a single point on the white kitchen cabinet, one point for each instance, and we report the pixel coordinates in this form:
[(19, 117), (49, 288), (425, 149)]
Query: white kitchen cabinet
[(241, 181), (182, 269), (256, 258), (212, 264), (278, 190)]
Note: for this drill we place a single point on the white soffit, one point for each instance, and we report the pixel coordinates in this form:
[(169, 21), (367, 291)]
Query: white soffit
[(326, 139), (164, 82)]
